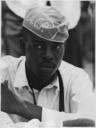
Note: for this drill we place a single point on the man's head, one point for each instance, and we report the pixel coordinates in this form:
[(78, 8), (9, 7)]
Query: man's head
[(46, 31)]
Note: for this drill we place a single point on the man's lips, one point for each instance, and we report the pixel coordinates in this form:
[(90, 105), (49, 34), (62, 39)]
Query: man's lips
[(47, 66)]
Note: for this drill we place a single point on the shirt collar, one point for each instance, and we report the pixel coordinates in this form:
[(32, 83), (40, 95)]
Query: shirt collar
[(54, 83), (21, 78)]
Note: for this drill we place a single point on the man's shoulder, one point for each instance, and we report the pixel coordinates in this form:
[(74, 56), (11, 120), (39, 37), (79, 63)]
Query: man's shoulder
[(9, 65), (11, 61), (74, 77), (68, 70), (65, 66)]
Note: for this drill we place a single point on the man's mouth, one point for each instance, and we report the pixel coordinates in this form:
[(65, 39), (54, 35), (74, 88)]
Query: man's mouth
[(47, 67)]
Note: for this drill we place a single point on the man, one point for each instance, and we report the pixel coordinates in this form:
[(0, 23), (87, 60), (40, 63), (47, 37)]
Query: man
[(41, 84)]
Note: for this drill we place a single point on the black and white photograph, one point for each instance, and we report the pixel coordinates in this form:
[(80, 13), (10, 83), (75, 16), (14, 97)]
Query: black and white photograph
[(47, 63)]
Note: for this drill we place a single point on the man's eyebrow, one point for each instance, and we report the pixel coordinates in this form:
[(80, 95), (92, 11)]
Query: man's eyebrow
[(58, 43), (36, 41)]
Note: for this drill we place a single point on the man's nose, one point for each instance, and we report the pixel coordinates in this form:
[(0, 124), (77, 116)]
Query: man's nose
[(48, 55)]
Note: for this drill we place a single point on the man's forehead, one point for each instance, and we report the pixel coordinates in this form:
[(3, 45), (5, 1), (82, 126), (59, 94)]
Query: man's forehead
[(35, 39)]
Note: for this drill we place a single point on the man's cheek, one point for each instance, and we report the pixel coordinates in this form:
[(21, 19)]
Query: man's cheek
[(58, 58)]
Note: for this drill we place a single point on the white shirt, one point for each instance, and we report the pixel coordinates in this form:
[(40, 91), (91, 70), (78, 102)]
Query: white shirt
[(77, 88)]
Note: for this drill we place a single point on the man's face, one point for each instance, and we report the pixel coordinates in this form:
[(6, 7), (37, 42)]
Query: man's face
[(43, 57)]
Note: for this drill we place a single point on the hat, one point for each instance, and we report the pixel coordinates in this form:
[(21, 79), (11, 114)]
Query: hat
[(47, 23)]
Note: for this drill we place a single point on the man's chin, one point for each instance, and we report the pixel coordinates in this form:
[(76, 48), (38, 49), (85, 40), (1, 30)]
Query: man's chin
[(47, 74), (46, 79)]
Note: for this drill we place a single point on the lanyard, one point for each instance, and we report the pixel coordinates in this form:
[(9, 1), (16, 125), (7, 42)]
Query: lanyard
[(61, 93)]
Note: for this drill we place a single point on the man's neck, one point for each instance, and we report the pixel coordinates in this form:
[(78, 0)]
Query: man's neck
[(35, 82)]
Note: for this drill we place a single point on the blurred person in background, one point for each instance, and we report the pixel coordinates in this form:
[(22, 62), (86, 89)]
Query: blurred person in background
[(87, 29), (11, 27), (80, 47)]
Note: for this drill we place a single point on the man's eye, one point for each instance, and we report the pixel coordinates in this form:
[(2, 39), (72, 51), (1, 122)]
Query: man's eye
[(58, 47), (38, 46)]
